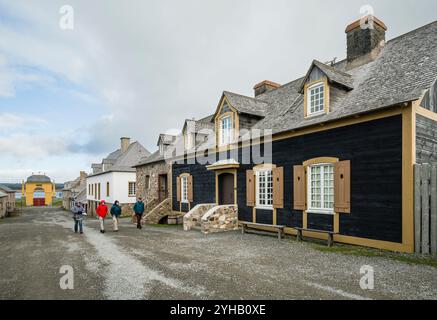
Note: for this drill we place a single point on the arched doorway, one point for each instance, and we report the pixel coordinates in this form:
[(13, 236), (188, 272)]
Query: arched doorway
[(39, 197), (226, 189)]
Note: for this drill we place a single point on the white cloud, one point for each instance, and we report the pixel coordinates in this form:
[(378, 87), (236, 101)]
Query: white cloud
[(33, 146), (18, 121)]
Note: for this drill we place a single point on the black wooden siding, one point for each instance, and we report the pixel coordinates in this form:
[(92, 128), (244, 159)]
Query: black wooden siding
[(426, 140), (375, 151)]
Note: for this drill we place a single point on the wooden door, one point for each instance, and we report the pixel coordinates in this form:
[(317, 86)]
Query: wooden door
[(163, 187), (226, 189)]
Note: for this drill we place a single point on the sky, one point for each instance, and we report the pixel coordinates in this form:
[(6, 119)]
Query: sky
[(139, 68)]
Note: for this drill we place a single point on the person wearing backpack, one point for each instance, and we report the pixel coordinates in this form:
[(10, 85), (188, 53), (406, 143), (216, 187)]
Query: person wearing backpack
[(78, 213), (115, 213), (102, 211), (139, 210)]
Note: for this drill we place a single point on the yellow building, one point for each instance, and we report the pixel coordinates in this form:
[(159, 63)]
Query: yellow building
[(38, 190)]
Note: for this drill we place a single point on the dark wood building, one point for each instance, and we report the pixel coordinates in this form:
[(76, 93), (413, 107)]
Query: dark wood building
[(332, 151)]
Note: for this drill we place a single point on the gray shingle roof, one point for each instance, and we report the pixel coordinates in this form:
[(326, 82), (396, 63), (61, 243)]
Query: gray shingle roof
[(333, 74), (2, 195), (404, 70), (38, 178), (6, 189), (246, 105), (125, 162), (155, 157)]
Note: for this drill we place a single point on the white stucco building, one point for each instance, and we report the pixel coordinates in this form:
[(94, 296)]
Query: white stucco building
[(115, 178)]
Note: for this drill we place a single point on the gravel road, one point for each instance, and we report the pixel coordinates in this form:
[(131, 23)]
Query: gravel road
[(168, 263)]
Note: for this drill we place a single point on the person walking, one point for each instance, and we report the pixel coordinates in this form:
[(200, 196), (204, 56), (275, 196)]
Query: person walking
[(115, 213), (78, 213), (102, 211), (139, 210)]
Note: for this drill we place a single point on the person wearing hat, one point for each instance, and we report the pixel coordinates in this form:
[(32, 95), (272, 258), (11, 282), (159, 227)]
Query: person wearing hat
[(115, 213), (102, 211), (139, 210)]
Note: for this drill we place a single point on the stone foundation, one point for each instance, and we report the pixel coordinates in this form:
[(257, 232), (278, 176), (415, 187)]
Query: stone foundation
[(220, 219), (194, 216)]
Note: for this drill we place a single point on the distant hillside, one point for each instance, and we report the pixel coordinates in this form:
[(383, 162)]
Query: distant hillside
[(17, 186)]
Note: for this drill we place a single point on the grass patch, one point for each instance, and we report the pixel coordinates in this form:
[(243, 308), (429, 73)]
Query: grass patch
[(369, 252)]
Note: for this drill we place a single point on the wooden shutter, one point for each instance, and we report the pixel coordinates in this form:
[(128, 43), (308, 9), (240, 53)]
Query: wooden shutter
[(178, 188), (299, 192), (190, 188), (278, 188), (250, 188), (342, 187)]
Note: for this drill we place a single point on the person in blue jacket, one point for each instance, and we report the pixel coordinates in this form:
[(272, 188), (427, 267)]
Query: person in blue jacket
[(139, 210), (115, 213)]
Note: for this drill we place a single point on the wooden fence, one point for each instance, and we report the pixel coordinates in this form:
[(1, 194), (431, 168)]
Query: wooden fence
[(425, 209)]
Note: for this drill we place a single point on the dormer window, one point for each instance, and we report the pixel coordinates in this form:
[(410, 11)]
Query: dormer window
[(161, 149), (316, 99), (226, 135)]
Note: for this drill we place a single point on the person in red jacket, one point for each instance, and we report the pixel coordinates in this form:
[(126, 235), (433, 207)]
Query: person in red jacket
[(102, 211)]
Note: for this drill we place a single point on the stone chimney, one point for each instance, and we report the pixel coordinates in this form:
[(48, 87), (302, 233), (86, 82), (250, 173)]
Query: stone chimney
[(125, 143), (82, 176), (365, 40), (265, 86)]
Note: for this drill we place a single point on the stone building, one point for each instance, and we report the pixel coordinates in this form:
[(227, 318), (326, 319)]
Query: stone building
[(10, 203), (153, 178), (3, 204), (74, 191)]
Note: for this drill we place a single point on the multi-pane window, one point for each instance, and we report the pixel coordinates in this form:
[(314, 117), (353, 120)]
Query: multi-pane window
[(264, 189), (316, 99), (321, 188), (107, 189), (132, 189), (184, 189), (226, 130)]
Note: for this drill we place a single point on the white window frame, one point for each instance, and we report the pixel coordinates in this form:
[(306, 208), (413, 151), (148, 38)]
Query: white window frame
[(310, 94), (226, 139), (161, 148), (258, 174), (134, 189), (184, 189), (322, 209)]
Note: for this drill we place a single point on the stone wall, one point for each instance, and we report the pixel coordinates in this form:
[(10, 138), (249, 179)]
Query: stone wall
[(220, 219), (194, 216), (153, 170)]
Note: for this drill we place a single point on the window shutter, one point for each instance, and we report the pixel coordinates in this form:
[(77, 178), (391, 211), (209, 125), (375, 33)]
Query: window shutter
[(190, 188), (342, 187), (250, 188), (178, 188), (299, 192), (278, 188)]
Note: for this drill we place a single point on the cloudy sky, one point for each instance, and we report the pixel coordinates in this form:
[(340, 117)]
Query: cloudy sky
[(138, 68)]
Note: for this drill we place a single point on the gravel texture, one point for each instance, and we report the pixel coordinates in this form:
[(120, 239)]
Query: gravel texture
[(168, 263)]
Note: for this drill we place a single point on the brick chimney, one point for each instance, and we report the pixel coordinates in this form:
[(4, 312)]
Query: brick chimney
[(265, 86), (365, 40), (125, 143)]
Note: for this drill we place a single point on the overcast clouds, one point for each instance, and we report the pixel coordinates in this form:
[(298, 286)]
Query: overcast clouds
[(138, 68)]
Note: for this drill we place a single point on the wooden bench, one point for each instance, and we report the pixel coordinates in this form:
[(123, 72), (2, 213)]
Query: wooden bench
[(329, 233), (249, 227)]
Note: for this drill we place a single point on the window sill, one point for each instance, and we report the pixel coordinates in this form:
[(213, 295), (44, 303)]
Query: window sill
[(264, 208), (328, 213), (318, 114)]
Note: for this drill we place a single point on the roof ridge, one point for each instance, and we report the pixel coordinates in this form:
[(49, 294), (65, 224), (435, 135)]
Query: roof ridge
[(242, 95), (412, 31), (332, 68)]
